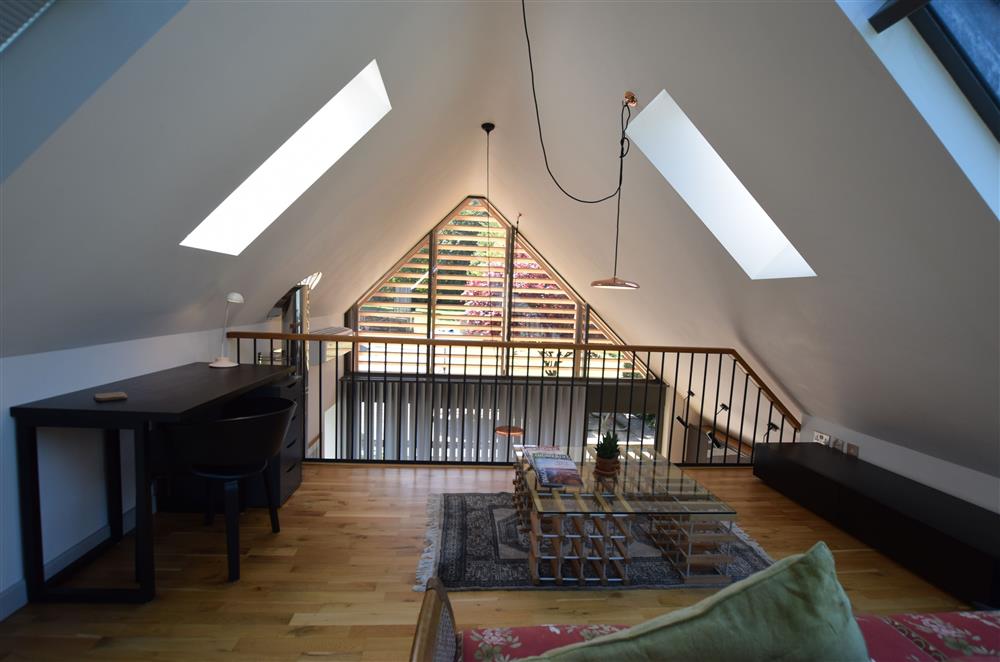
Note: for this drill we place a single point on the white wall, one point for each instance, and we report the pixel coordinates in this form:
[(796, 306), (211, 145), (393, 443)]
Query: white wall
[(70, 460), (962, 482)]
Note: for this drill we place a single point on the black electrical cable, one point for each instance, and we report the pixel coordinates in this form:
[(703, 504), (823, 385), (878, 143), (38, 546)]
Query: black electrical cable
[(534, 95), (625, 146)]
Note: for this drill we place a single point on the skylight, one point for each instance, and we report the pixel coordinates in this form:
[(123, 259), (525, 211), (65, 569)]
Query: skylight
[(934, 91), (295, 166), (312, 280), (688, 162), (975, 28)]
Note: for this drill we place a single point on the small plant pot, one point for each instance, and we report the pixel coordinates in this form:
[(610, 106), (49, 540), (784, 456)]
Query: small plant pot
[(607, 466)]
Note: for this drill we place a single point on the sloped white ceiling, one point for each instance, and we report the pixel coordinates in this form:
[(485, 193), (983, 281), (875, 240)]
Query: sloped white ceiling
[(897, 337)]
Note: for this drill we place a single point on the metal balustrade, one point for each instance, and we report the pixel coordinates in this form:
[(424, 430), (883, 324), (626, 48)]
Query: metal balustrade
[(469, 401)]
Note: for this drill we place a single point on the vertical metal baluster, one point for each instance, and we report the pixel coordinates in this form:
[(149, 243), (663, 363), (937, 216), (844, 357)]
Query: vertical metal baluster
[(756, 420), (270, 358), (319, 397), (413, 438), (510, 397), (729, 412), (541, 397), (660, 406), (701, 412), (447, 410), (524, 398), (673, 407), (238, 350), (600, 404), (496, 403), (572, 390), (369, 411), (432, 374), (555, 398), (256, 359), (586, 402), (617, 386), (631, 395), (642, 427), (687, 408), (781, 431), (770, 412), (715, 415), (795, 433), (349, 421), (743, 416), (385, 395), (338, 433), (464, 385), (399, 405), (479, 407)]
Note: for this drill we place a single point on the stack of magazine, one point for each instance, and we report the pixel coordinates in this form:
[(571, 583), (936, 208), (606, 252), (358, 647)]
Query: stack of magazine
[(553, 467)]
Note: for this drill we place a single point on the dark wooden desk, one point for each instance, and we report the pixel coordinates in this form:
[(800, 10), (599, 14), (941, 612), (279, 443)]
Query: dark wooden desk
[(168, 396)]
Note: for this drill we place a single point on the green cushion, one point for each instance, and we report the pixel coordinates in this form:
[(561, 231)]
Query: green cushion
[(794, 610)]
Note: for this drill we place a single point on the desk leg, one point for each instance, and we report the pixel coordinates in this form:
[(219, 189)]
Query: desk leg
[(31, 513), (144, 570), (113, 481)]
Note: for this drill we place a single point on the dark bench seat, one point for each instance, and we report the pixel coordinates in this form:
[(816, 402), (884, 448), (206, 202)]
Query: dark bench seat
[(950, 542)]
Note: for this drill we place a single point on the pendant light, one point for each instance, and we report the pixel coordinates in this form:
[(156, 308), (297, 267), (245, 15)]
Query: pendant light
[(488, 128), (629, 101), (616, 283)]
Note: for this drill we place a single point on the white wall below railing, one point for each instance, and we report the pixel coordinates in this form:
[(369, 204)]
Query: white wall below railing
[(70, 460)]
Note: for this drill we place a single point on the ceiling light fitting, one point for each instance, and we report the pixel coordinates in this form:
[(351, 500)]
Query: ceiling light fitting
[(488, 129), (629, 101)]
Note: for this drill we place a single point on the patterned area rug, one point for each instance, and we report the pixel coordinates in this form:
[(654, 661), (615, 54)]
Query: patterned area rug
[(473, 543)]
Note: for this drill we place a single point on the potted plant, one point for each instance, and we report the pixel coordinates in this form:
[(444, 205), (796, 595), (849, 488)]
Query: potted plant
[(607, 455)]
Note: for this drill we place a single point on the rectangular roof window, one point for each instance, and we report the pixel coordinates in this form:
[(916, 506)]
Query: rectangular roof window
[(295, 166), (673, 144)]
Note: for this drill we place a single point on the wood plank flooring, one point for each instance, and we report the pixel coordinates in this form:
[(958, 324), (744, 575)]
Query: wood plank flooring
[(335, 584)]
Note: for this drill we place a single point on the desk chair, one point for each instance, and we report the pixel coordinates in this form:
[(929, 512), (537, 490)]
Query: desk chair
[(229, 449)]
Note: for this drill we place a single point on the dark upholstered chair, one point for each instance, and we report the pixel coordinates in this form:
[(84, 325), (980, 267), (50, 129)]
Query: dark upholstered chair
[(229, 449)]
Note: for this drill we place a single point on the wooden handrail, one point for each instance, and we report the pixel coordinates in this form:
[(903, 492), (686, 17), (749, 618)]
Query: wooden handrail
[(447, 342)]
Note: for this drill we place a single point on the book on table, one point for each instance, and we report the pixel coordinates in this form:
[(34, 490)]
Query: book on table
[(553, 467)]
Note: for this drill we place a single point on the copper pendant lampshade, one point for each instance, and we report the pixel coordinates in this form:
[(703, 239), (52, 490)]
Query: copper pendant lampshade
[(615, 283)]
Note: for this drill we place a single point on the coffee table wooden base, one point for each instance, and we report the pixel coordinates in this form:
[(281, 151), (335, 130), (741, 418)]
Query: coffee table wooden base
[(579, 549), (693, 545)]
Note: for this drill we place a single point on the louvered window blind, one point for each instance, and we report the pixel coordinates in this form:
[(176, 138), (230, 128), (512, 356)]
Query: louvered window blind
[(473, 277)]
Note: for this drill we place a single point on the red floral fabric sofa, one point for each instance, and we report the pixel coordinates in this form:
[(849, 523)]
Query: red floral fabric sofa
[(967, 636)]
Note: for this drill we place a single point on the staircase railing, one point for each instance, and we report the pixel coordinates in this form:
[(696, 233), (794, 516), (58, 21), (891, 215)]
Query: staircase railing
[(455, 401)]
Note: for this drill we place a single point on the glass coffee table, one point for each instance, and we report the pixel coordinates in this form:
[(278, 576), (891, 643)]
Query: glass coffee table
[(581, 535)]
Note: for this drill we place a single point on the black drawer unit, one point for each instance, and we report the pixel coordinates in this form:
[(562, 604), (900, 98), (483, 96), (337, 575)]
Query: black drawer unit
[(182, 492), (285, 469)]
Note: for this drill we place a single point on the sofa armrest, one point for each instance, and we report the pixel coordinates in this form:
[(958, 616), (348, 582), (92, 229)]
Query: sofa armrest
[(436, 639)]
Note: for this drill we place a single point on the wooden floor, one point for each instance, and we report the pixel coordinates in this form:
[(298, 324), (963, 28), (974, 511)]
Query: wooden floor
[(335, 584)]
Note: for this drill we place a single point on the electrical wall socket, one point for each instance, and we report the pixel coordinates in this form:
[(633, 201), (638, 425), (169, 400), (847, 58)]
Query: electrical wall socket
[(852, 450), (837, 444), (821, 438)]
